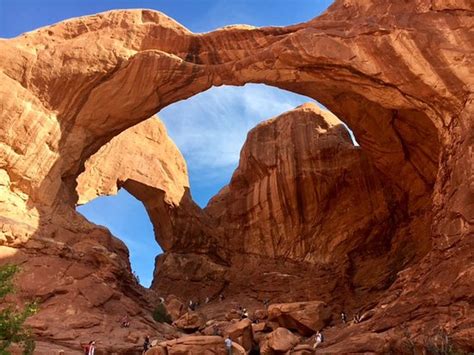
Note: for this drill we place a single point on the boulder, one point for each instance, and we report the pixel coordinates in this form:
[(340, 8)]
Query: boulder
[(241, 332), (214, 327), (282, 340), (175, 307), (232, 314), (304, 317), (190, 321), (260, 314), (199, 345), (259, 327), (157, 350), (303, 349)]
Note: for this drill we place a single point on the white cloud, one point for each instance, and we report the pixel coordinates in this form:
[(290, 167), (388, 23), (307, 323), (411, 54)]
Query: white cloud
[(210, 128)]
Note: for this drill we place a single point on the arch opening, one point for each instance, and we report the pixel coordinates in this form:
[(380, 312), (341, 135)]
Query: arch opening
[(385, 120), (127, 219), (211, 127), (184, 230)]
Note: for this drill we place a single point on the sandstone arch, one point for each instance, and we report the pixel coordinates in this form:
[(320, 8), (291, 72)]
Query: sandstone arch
[(330, 70), (398, 74)]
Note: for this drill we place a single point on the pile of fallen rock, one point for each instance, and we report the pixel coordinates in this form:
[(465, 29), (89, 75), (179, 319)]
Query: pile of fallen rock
[(286, 328)]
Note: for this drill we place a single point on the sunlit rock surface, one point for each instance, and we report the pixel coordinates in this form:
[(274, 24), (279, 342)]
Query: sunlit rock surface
[(146, 162)]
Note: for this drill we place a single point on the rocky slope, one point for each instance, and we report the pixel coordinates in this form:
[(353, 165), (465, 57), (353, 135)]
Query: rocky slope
[(397, 72), (78, 271)]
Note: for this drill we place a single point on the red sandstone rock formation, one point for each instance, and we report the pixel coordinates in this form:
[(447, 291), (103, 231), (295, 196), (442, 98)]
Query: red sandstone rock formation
[(396, 72), (145, 162), (305, 317), (206, 345), (292, 197), (280, 340)]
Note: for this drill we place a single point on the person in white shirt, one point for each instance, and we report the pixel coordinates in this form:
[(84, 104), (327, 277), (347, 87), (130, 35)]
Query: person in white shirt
[(228, 345), (318, 339), (90, 348)]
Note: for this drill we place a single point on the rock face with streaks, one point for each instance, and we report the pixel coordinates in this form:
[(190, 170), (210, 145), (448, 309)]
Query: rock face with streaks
[(398, 73), (292, 197), (294, 190)]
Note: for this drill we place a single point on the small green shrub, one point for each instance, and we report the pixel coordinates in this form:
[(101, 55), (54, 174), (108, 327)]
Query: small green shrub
[(160, 314), (12, 319)]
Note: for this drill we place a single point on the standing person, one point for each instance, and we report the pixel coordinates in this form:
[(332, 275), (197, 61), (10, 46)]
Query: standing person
[(343, 317), (146, 344), (318, 339), (228, 345), (90, 348)]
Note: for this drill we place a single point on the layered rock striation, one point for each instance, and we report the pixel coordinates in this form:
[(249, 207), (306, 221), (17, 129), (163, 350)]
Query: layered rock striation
[(305, 206)]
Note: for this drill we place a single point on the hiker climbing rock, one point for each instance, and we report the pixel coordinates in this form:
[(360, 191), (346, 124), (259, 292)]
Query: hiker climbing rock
[(318, 339)]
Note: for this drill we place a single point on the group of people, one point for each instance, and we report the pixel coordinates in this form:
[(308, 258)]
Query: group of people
[(319, 336), (243, 313), (89, 349), (192, 305), (357, 318)]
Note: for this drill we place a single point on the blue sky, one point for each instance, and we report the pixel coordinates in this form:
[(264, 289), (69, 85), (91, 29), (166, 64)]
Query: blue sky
[(209, 128)]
